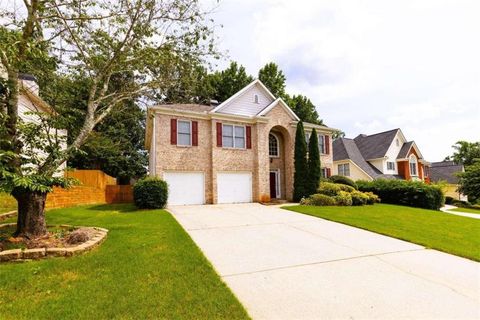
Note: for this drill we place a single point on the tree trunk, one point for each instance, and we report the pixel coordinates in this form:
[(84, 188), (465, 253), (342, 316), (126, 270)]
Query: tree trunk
[(31, 213)]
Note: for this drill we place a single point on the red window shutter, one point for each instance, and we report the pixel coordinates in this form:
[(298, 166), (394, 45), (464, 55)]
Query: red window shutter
[(249, 137), (219, 134), (194, 133), (173, 131), (329, 172), (327, 145)]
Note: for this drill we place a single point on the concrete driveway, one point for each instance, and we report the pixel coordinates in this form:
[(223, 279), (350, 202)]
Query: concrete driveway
[(285, 265)]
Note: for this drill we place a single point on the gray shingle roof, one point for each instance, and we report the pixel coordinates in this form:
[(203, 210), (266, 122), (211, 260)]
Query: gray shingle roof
[(344, 148), (376, 145), (402, 154), (445, 171)]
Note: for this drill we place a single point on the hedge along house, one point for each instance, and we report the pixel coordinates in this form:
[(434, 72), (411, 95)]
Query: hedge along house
[(239, 151), (386, 155)]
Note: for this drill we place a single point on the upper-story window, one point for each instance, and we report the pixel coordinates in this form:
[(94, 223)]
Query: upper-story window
[(273, 146), (321, 143), (344, 169), (307, 137), (255, 98), (390, 165), (184, 133), (233, 136), (413, 165)]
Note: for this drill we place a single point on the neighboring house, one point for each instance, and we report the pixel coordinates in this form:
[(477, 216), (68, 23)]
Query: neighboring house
[(385, 155), (29, 102), (239, 151), (446, 171)]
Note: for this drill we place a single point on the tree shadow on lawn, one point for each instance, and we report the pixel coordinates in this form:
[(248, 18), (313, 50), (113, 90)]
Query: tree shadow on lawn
[(120, 207)]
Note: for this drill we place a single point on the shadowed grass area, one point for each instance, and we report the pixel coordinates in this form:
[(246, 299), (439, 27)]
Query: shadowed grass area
[(477, 211), (7, 203), (148, 268), (433, 229)]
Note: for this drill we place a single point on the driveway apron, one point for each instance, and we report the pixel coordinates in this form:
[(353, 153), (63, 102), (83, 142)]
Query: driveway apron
[(286, 265)]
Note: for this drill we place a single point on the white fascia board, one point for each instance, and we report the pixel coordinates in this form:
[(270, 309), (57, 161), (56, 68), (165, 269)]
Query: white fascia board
[(283, 104)]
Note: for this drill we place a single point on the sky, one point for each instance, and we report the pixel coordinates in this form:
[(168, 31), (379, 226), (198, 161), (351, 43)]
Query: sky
[(368, 66)]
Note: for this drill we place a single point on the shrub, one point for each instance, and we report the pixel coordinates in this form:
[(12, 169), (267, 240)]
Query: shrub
[(329, 189), (343, 199), (448, 200), (359, 198), (372, 197), (407, 193), (344, 187), (319, 200), (150, 193), (343, 180)]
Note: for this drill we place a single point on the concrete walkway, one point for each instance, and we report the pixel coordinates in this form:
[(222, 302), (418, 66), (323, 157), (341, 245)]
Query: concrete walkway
[(285, 265), (458, 213)]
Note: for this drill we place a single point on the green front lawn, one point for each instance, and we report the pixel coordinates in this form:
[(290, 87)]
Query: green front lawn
[(148, 268), (433, 229), (469, 210), (7, 203)]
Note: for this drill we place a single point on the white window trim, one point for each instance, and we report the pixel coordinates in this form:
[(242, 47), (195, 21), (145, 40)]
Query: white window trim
[(277, 183), (412, 156), (233, 132), (191, 134), (391, 169), (342, 165), (278, 145)]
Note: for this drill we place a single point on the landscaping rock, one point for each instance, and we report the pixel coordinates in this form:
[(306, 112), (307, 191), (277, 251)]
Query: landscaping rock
[(10, 255), (79, 236), (34, 253)]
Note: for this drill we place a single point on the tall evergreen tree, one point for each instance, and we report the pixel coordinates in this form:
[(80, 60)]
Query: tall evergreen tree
[(300, 164), (314, 171), (273, 78)]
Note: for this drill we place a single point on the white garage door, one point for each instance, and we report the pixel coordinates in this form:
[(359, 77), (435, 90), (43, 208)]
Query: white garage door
[(234, 187), (185, 187)]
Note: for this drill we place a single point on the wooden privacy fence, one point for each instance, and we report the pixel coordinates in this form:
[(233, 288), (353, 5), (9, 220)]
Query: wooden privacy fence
[(95, 187)]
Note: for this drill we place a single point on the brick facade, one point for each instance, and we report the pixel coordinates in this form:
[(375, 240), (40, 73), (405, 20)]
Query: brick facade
[(210, 159)]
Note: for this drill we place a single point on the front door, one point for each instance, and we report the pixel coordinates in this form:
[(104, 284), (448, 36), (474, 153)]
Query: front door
[(273, 185)]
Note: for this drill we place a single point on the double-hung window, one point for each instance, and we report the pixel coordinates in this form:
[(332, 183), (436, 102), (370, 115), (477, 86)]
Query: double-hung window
[(344, 169), (184, 133), (233, 136), (413, 165), (390, 165), (321, 143)]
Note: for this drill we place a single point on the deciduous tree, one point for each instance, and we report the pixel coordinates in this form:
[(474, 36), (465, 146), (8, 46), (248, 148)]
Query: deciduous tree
[(97, 40)]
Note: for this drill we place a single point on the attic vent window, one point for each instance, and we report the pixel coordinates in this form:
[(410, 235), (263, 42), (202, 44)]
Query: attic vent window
[(397, 142), (255, 98)]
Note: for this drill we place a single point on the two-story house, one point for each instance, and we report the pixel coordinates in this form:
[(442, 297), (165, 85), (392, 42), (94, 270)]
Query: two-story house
[(386, 155), (238, 151)]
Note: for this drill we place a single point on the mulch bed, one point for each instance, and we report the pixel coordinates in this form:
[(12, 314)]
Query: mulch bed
[(57, 237)]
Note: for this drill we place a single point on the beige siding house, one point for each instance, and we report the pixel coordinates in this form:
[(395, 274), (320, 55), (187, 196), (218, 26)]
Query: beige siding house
[(238, 151)]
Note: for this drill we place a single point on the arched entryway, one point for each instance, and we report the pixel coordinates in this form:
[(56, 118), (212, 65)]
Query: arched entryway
[(278, 176)]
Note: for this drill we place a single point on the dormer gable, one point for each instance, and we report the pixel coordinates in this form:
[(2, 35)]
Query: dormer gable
[(249, 101)]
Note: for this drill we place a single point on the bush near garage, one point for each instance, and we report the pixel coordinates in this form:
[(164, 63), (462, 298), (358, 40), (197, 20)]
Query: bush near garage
[(331, 194), (407, 193), (343, 180), (150, 193)]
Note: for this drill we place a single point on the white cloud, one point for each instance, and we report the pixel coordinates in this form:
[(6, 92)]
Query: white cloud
[(370, 65)]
